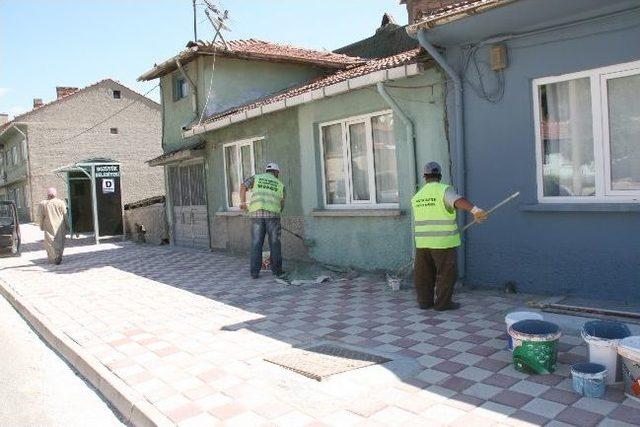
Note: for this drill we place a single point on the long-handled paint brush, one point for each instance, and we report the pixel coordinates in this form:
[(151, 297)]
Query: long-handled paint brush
[(504, 202)]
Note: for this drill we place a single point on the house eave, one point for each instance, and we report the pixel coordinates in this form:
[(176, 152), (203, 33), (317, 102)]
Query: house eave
[(335, 89), (428, 24)]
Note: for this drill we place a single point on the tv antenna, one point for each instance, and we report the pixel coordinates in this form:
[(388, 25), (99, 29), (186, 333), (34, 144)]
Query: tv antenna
[(217, 18)]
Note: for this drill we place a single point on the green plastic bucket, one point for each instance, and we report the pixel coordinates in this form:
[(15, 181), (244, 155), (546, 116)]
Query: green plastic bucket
[(535, 346)]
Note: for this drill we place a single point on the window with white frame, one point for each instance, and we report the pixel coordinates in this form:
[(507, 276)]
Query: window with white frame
[(588, 135), (359, 161), (241, 161)]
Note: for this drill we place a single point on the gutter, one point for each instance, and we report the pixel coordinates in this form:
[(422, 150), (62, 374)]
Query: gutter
[(353, 83), (458, 139), (410, 131)]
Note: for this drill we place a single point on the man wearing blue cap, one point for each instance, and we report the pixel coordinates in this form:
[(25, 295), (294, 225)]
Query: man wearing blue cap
[(437, 237)]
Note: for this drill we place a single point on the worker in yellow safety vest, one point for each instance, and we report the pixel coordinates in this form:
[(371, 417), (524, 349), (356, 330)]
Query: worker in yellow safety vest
[(437, 237), (267, 202)]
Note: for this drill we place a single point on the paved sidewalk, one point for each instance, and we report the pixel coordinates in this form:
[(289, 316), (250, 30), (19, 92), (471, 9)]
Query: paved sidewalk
[(188, 331), (37, 388)]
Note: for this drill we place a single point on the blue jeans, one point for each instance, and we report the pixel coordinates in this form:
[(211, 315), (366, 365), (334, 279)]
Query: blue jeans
[(259, 228)]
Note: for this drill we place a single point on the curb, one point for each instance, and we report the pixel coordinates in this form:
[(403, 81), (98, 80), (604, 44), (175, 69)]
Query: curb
[(133, 408)]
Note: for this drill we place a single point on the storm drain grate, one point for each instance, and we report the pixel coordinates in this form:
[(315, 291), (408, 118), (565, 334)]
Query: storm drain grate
[(324, 360)]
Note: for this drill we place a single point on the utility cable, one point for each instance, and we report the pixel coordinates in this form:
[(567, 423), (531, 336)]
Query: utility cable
[(105, 119), (206, 102)]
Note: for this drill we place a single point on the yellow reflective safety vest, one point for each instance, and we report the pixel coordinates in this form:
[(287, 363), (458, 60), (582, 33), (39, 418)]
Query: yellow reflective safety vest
[(266, 194), (435, 226)]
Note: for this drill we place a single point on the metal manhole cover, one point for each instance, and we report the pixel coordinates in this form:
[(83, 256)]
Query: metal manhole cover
[(322, 361)]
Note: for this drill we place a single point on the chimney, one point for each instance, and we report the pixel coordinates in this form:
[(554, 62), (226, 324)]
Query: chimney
[(64, 91), (37, 103), (4, 118)]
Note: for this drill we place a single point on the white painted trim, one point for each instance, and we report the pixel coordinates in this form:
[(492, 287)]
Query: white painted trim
[(600, 126), (239, 144), (346, 153), (606, 146)]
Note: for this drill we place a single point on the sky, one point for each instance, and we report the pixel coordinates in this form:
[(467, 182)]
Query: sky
[(49, 43)]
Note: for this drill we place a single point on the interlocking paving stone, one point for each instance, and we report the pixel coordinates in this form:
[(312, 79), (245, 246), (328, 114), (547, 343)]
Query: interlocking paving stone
[(187, 329), (322, 361)]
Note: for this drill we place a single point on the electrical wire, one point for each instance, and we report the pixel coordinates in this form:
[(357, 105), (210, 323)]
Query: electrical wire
[(105, 119), (206, 103)]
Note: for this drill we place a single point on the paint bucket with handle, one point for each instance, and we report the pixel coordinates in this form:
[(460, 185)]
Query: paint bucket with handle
[(517, 316), (603, 337), (589, 379), (535, 346), (629, 350)]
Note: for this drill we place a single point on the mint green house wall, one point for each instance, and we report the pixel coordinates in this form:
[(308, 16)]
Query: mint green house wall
[(235, 82), (230, 230), (370, 240)]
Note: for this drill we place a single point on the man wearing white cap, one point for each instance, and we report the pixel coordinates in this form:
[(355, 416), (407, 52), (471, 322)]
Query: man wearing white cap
[(436, 238), (267, 201), (52, 217)]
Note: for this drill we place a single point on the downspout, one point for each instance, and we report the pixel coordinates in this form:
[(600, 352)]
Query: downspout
[(192, 86), (409, 131), (458, 140)]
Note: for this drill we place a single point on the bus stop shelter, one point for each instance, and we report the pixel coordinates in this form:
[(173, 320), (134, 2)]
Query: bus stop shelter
[(95, 197)]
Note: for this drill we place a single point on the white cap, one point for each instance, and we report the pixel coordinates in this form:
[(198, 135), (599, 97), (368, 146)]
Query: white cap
[(272, 167)]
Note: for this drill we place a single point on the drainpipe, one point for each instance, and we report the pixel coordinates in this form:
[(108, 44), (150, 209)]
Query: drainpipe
[(192, 86), (410, 132), (458, 140)]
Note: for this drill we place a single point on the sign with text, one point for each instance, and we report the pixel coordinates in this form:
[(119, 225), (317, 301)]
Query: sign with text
[(108, 185), (107, 171)]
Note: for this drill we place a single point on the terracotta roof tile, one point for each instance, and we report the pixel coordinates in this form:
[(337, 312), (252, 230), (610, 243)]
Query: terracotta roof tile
[(260, 49), (433, 17), (369, 67), (257, 50)]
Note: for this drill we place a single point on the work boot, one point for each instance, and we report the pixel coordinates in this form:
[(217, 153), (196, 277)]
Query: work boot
[(449, 306), (58, 260), (424, 306)]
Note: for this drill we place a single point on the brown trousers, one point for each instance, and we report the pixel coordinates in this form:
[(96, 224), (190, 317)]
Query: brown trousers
[(435, 270)]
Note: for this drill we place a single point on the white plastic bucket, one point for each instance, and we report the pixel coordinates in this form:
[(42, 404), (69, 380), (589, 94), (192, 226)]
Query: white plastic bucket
[(603, 337), (629, 351), (517, 316)]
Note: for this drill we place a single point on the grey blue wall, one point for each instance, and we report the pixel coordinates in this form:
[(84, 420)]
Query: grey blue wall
[(546, 249)]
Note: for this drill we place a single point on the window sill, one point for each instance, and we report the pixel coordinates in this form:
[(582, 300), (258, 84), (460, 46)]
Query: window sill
[(581, 207), (356, 213), (229, 213)]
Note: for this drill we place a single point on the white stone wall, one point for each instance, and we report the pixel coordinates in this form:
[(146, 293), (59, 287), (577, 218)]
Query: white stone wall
[(138, 140)]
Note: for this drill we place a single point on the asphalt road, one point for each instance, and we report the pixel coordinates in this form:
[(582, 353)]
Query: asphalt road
[(37, 388)]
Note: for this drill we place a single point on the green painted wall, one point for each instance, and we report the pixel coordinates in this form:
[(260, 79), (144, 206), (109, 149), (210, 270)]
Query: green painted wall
[(238, 81), (280, 132), (372, 242), (291, 139), (235, 82)]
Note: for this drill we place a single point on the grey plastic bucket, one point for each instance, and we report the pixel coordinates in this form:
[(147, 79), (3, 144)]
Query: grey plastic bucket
[(602, 337), (589, 379)]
